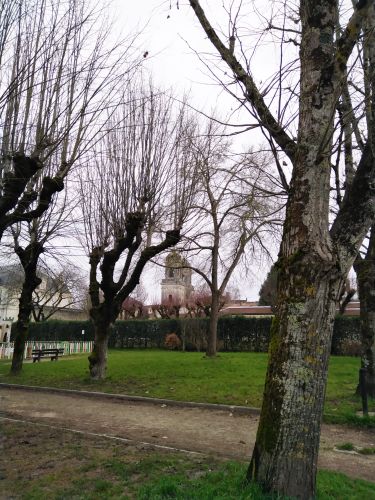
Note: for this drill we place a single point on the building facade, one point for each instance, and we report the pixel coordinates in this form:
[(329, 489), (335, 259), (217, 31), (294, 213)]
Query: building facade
[(176, 285), (56, 300)]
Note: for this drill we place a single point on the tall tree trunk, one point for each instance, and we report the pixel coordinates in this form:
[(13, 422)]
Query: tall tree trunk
[(365, 270), (103, 318), (29, 260), (98, 357), (212, 329), (286, 450), (285, 455), (21, 327), (314, 260)]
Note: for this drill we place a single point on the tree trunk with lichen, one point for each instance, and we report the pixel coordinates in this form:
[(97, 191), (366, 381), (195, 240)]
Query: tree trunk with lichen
[(313, 266), (365, 270), (314, 260), (286, 450)]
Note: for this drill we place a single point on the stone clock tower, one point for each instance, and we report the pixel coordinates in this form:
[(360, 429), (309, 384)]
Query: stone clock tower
[(176, 285)]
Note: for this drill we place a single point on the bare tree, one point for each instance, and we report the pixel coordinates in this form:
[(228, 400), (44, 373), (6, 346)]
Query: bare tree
[(61, 289), (315, 254), (58, 89), (57, 79), (31, 240), (139, 185), (364, 266), (355, 111), (233, 213), (200, 303)]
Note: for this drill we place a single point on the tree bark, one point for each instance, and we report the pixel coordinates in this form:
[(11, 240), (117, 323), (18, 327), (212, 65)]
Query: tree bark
[(365, 270), (29, 258), (102, 318), (286, 450), (21, 328), (313, 260), (212, 330), (98, 357)]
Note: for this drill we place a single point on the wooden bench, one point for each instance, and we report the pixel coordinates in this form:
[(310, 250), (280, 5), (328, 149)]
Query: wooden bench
[(46, 353)]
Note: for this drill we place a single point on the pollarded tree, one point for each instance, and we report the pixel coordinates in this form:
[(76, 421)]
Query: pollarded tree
[(30, 241), (58, 77), (59, 86), (315, 255), (137, 188)]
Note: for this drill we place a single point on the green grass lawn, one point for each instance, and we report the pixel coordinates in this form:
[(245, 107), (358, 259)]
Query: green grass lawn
[(54, 464), (231, 378)]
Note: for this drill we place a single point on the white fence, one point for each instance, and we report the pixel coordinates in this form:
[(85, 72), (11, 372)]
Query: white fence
[(6, 348)]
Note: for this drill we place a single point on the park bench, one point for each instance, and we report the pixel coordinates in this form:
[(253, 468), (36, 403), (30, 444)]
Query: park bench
[(46, 353)]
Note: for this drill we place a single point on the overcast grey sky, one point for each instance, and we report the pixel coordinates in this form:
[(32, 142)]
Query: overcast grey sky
[(166, 34), (171, 36)]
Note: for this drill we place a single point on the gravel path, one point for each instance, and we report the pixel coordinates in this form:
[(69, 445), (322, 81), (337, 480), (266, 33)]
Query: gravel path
[(195, 429)]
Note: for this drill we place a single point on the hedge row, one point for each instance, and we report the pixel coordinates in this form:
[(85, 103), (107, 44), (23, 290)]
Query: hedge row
[(235, 333)]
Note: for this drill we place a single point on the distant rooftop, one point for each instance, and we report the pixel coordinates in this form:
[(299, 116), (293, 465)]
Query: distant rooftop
[(252, 309)]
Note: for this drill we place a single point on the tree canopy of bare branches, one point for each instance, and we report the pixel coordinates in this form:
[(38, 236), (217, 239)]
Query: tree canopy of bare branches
[(135, 197), (236, 208), (61, 80), (58, 85)]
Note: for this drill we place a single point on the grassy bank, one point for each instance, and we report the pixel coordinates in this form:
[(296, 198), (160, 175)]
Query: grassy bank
[(54, 464), (231, 378)]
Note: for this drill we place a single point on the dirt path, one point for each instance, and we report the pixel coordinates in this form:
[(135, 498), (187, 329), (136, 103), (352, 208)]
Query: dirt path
[(209, 431)]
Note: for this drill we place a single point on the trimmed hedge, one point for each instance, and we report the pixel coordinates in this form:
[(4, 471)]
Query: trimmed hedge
[(54, 330), (346, 339), (235, 333)]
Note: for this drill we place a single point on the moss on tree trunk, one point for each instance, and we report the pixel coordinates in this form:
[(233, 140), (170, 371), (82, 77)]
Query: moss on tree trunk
[(286, 450)]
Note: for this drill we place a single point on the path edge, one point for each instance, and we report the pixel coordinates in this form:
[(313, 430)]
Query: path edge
[(241, 410)]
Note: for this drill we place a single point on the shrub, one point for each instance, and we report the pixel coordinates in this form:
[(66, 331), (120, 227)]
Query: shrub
[(172, 341), (345, 329), (349, 347)]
